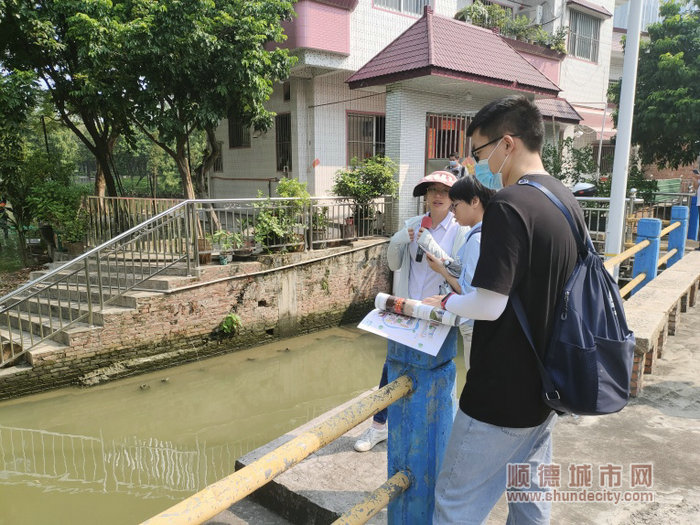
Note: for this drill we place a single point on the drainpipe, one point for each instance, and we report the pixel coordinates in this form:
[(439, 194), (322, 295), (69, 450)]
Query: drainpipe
[(616, 219)]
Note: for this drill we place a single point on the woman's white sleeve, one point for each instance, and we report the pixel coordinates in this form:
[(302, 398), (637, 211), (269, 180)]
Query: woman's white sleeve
[(478, 304), (397, 248)]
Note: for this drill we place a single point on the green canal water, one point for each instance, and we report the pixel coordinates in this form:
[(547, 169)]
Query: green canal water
[(122, 452)]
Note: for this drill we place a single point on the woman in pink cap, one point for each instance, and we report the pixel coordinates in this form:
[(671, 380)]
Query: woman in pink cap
[(442, 237)]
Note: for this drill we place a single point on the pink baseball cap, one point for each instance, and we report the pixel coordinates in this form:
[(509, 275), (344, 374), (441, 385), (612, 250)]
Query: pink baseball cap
[(440, 177)]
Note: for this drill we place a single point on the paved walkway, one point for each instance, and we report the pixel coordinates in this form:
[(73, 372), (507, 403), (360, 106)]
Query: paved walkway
[(661, 428)]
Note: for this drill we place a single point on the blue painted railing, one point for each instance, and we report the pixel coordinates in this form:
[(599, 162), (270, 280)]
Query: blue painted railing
[(693, 219), (419, 426), (648, 260)]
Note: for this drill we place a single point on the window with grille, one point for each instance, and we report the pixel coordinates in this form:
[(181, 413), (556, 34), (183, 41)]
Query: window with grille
[(238, 134), (584, 36), (219, 161), (366, 136), (283, 141), (413, 7), (446, 134)]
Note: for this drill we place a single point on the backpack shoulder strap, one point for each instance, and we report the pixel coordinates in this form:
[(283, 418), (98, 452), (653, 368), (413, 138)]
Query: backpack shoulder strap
[(473, 231), (584, 246), (550, 391)]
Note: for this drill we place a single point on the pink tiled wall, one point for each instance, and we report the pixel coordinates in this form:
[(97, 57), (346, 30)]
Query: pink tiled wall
[(319, 26)]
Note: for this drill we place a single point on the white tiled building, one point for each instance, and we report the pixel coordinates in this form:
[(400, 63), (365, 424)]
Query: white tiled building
[(415, 77)]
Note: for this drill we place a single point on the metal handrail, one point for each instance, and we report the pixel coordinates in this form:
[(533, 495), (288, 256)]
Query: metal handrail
[(50, 304), (611, 263), (311, 222), (92, 251), (362, 511)]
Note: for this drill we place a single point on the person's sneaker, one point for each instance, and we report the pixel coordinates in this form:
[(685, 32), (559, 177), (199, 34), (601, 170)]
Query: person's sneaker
[(371, 437)]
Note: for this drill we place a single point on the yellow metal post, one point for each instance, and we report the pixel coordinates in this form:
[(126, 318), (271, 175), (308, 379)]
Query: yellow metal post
[(380, 498), (218, 496)]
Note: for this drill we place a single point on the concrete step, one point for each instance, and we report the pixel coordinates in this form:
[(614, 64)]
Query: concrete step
[(54, 309), (137, 266), (25, 340), (46, 327), (79, 294), (112, 283)]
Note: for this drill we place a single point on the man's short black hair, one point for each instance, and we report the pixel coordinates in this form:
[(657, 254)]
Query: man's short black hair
[(512, 115), (466, 188), (453, 154)]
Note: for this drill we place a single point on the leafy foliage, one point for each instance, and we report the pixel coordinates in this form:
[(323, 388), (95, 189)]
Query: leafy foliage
[(196, 62), (25, 165), (520, 27), (227, 241), (646, 187), (231, 324), (667, 103), (567, 163), (367, 180), (59, 204), (75, 49), (276, 220)]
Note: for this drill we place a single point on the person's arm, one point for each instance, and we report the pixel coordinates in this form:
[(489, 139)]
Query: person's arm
[(397, 248), (479, 304), (439, 267)]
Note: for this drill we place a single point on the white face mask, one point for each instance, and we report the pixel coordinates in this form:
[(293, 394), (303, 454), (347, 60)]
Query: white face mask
[(483, 174)]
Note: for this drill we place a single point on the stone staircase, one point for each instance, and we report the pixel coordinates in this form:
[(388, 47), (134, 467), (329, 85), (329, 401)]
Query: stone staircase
[(54, 318)]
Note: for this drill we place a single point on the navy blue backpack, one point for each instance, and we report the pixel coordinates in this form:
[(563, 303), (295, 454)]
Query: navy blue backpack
[(587, 364)]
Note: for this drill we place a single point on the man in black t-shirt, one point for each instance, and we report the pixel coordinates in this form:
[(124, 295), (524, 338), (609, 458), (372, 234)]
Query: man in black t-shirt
[(502, 432)]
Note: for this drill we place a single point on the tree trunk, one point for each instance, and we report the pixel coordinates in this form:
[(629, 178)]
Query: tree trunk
[(213, 152), (201, 183), (183, 167), (100, 181), (103, 154)]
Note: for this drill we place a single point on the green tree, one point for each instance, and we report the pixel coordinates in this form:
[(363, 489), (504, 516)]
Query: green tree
[(567, 163), (667, 102), (75, 48), (18, 96), (198, 61), (37, 159)]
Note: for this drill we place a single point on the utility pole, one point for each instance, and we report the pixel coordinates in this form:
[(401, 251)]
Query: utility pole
[(616, 217)]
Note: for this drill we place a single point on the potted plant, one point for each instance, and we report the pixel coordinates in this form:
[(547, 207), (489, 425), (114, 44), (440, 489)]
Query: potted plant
[(74, 232), (319, 227), (363, 182), (279, 224), (227, 242)]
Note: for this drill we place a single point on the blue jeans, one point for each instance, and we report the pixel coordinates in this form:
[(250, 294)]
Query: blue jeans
[(380, 417), (474, 469)]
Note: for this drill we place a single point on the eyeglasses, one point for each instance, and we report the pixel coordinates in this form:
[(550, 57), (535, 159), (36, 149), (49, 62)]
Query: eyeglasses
[(474, 150), (440, 190), (453, 206)]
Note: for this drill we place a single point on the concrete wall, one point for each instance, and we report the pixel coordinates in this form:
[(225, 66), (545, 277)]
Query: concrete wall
[(258, 161), (405, 128), (333, 100), (174, 328), (583, 81)]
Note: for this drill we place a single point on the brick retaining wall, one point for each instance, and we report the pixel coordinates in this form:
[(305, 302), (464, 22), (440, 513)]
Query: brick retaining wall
[(169, 329)]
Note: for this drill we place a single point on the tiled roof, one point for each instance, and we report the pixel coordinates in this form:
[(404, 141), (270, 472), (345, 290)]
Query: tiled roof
[(591, 7), (444, 46), (558, 108)]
